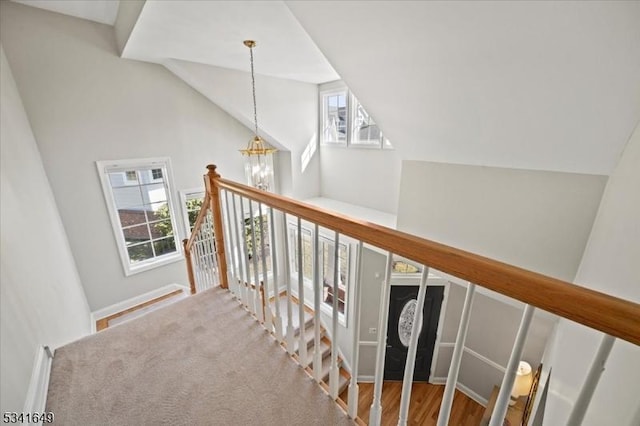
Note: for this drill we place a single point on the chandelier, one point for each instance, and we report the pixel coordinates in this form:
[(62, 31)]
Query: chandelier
[(259, 155)]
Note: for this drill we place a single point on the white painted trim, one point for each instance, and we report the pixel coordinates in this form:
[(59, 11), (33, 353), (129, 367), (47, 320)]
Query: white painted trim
[(366, 379), (443, 308), (36, 399), (93, 320), (372, 343), (471, 394), (438, 380), (137, 300), (462, 388), (485, 360), (477, 355)]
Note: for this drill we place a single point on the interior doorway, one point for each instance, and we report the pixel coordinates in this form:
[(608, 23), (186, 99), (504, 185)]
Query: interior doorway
[(402, 304)]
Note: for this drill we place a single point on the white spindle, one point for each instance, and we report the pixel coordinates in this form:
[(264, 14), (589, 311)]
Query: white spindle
[(256, 272), (198, 262), (229, 243), (287, 280), (591, 381), (268, 323), (276, 281), (456, 358), (239, 252), (302, 341), (375, 413), (213, 270), (317, 294), (410, 363), (355, 348), (502, 402), (245, 250), (334, 371)]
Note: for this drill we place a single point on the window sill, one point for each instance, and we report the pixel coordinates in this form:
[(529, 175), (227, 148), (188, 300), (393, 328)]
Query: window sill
[(149, 265)]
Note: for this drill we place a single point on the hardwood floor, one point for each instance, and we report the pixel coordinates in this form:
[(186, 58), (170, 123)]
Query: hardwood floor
[(424, 407)]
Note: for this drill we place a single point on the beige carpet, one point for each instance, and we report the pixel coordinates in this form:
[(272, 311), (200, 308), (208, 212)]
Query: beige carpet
[(200, 361)]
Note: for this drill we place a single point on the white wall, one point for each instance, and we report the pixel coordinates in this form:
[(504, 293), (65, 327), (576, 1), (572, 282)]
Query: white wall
[(609, 264), (366, 177), (41, 295), (533, 219), (87, 104), (530, 85), (287, 112)]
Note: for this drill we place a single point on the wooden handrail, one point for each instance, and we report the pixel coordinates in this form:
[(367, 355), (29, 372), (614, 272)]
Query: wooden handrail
[(609, 314), (202, 214)]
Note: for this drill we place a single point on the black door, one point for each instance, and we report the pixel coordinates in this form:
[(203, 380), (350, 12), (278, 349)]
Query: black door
[(402, 303)]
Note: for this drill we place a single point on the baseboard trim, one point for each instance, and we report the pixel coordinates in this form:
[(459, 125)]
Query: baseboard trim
[(462, 388), (366, 379), (134, 301), (471, 394), (36, 399)]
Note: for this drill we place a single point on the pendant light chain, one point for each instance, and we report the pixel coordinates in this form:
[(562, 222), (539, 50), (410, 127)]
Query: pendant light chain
[(253, 86)]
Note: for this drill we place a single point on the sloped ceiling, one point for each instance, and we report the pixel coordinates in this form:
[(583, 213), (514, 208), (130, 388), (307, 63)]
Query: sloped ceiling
[(212, 32), (538, 85), (103, 11), (535, 85)]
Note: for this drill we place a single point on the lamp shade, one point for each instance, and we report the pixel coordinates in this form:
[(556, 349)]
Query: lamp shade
[(524, 380)]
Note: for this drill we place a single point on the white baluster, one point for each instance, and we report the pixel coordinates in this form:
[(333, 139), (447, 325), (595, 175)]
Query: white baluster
[(268, 323), (334, 371), (198, 263), (502, 402), (409, 366), (355, 349), (209, 253), (317, 294), (591, 382), (256, 272), (239, 252), (247, 269), (302, 342), (287, 280), (230, 248), (375, 413), (456, 358), (276, 281)]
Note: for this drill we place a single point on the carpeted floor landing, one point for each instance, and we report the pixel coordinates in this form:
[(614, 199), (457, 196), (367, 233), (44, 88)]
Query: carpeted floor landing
[(201, 361)]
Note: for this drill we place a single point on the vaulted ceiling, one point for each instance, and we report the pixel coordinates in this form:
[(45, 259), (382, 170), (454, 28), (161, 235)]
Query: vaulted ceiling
[(537, 85)]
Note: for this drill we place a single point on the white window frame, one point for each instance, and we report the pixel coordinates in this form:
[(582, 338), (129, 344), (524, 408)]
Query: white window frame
[(338, 87), (186, 195), (323, 117), (348, 242), (164, 163)]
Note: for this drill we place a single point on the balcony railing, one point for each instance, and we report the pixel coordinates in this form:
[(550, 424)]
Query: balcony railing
[(253, 273)]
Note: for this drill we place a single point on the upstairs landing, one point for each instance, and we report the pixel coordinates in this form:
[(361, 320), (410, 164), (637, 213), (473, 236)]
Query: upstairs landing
[(202, 360)]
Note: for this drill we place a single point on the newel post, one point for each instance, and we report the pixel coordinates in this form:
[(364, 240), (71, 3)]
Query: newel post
[(216, 209)]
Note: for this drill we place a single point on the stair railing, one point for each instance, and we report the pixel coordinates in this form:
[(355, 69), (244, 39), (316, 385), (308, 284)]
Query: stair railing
[(200, 251), (615, 317)]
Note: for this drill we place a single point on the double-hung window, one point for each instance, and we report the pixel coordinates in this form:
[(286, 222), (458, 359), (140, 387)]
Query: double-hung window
[(138, 194)]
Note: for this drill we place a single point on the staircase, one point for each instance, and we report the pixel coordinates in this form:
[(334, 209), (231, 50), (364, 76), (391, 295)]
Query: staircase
[(325, 347)]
